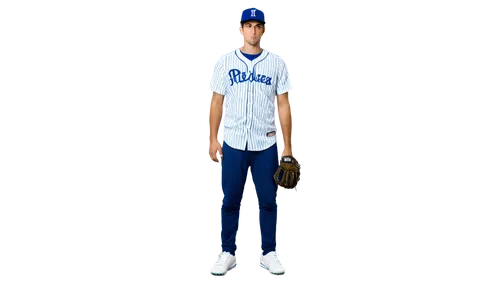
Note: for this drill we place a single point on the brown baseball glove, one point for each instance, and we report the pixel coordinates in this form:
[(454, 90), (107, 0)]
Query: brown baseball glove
[(288, 173)]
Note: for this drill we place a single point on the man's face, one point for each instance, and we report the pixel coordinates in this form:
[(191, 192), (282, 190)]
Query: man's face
[(252, 31)]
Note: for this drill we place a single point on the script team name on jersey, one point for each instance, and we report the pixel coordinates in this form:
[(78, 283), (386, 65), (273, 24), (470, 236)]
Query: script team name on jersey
[(236, 76)]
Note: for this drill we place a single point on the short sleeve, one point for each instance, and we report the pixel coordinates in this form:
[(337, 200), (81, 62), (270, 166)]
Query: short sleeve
[(283, 84), (218, 84)]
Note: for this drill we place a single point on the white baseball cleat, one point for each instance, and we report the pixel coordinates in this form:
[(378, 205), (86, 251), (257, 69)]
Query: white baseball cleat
[(226, 262), (270, 262)]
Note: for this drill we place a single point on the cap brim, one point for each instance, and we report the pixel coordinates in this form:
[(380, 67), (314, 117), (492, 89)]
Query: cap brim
[(242, 22)]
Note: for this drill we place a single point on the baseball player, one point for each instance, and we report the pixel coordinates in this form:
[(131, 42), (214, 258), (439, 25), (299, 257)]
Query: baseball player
[(249, 79)]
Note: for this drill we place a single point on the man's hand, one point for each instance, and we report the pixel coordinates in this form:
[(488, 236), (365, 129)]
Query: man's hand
[(212, 151)]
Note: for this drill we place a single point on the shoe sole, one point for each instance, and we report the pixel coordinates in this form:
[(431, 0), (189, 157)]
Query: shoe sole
[(222, 274), (277, 275), (263, 266)]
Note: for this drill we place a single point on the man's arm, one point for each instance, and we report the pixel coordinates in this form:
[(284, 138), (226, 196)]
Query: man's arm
[(285, 116), (215, 113)]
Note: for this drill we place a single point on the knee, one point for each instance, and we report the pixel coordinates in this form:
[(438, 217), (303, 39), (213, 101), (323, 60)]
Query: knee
[(268, 203), (230, 204)]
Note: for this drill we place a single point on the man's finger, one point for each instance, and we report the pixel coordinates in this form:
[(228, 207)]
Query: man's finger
[(220, 152), (214, 156)]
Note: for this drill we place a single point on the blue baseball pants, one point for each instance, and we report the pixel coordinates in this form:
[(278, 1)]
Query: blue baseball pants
[(235, 165)]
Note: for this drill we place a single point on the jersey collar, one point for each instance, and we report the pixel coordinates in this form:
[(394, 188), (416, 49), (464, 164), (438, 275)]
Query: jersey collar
[(249, 62)]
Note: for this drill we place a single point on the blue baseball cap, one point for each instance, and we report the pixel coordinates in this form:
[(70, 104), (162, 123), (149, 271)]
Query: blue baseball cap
[(252, 14)]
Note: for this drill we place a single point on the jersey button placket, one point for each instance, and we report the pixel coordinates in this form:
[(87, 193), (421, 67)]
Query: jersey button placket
[(249, 97), (249, 94)]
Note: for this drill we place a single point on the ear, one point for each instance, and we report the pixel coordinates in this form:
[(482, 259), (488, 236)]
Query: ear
[(241, 30)]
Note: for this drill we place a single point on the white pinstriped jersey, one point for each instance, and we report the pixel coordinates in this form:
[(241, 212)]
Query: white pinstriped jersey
[(250, 89)]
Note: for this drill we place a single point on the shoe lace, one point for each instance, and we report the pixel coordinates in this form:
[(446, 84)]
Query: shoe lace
[(274, 256), (222, 258)]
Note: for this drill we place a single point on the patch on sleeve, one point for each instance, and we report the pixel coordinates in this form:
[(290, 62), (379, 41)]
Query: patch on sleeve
[(271, 134)]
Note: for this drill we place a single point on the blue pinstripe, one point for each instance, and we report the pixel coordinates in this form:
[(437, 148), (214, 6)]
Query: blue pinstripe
[(249, 104)]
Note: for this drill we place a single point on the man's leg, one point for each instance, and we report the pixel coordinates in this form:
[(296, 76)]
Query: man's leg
[(234, 174), (263, 166)]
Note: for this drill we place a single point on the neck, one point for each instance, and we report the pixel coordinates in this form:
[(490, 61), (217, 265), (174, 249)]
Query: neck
[(252, 50)]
